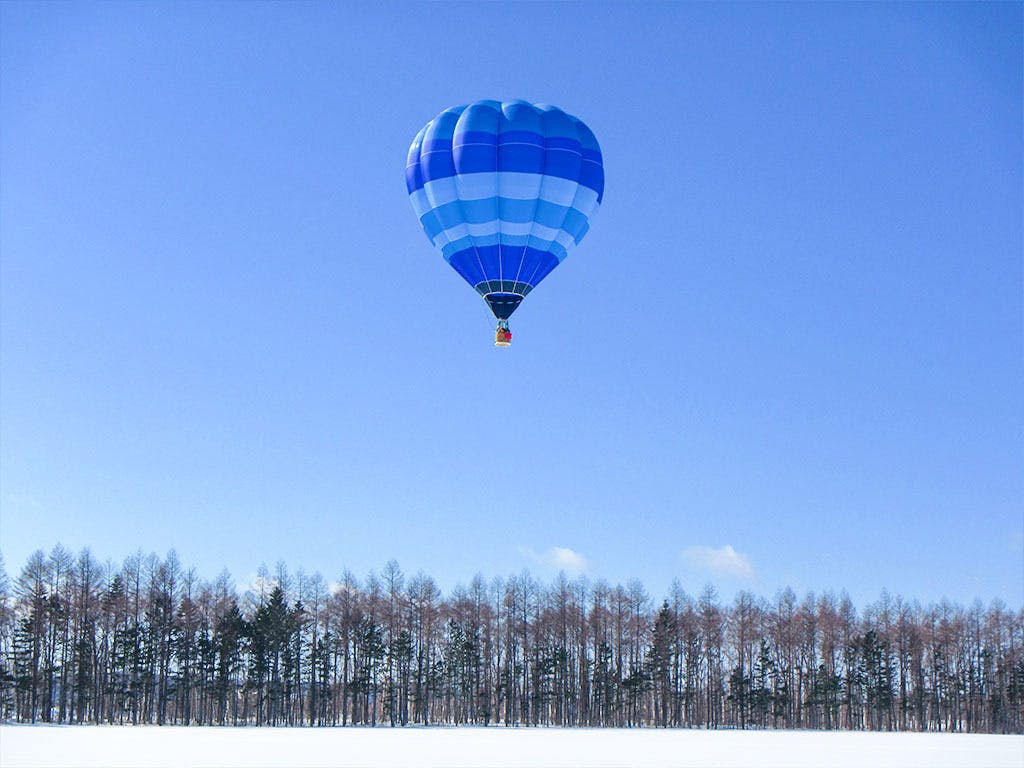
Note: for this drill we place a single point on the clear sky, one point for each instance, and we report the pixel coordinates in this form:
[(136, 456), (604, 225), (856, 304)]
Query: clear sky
[(789, 350)]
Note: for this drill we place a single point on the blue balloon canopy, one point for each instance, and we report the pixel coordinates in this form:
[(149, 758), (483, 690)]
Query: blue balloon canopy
[(505, 190)]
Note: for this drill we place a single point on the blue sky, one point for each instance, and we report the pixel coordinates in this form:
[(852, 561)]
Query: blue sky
[(787, 352)]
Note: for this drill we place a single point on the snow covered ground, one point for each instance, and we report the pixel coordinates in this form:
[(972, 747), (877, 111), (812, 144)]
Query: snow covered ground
[(50, 746)]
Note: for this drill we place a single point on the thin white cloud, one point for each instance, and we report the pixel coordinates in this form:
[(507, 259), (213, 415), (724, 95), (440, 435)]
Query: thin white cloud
[(721, 561), (22, 500), (1016, 542), (260, 585), (559, 559), (567, 560)]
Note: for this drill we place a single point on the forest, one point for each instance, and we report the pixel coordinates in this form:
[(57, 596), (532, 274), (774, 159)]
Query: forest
[(148, 641)]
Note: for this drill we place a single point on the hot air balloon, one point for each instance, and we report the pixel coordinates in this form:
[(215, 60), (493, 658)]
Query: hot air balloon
[(504, 190)]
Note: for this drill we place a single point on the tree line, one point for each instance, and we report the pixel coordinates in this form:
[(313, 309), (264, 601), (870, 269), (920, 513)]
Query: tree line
[(148, 641)]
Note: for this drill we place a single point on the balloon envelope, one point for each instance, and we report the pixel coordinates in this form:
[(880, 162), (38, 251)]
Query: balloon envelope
[(505, 190)]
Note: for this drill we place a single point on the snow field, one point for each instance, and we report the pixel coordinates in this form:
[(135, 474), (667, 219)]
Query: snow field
[(122, 746)]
